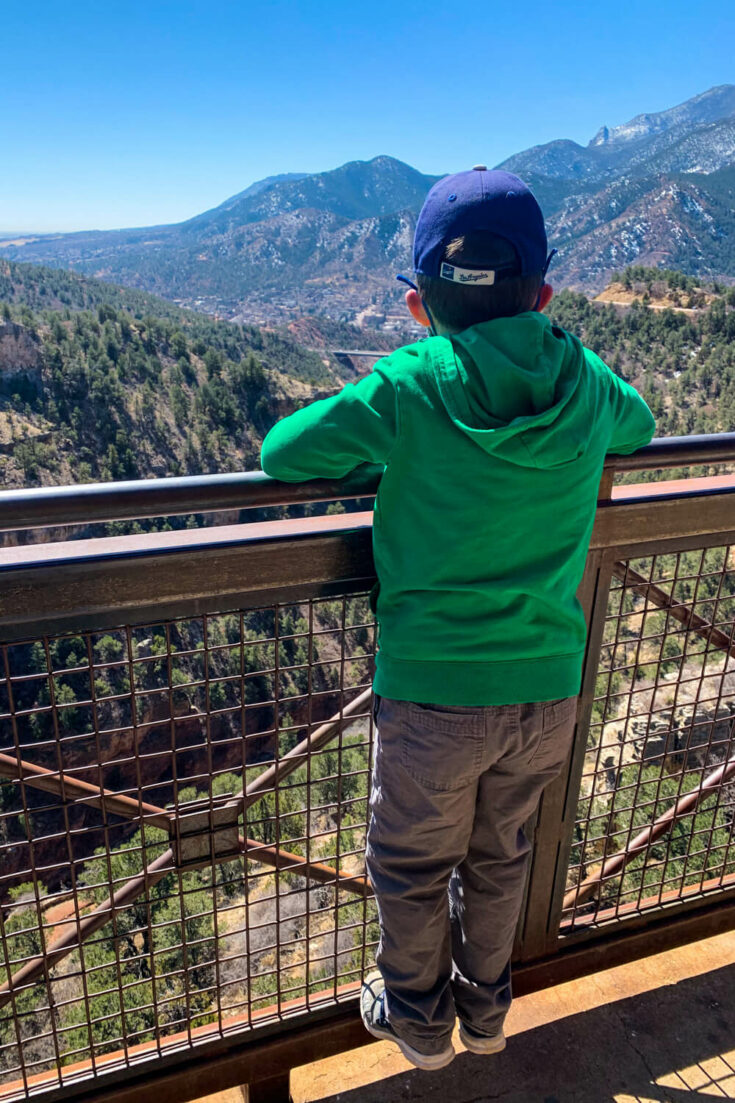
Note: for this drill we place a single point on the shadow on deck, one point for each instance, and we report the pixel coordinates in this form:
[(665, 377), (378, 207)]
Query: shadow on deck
[(659, 1030)]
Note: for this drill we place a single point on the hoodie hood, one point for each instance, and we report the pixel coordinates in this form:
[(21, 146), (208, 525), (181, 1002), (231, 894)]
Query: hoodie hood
[(513, 386)]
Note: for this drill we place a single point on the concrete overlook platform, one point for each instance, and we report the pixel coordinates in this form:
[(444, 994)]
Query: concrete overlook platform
[(657, 1030)]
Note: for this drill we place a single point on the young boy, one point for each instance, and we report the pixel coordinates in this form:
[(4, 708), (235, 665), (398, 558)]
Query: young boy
[(493, 433)]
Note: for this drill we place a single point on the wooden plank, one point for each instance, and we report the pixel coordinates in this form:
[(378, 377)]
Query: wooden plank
[(57, 551), (633, 924), (101, 591), (669, 486), (627, 521), (85, 503), (620, 943), (108, 582)]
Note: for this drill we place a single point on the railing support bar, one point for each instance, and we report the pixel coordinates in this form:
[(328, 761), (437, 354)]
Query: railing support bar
[(63, 785), (166, 862), (296, 757), (679, 611), (617, 863)]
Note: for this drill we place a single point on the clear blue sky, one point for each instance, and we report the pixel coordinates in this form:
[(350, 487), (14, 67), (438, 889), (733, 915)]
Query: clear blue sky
[(130, 113)]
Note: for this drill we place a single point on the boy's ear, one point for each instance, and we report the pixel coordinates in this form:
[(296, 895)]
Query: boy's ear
[(545, 296), (416, 308)]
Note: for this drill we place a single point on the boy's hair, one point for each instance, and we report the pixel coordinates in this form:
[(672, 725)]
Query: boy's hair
[(458, 306)]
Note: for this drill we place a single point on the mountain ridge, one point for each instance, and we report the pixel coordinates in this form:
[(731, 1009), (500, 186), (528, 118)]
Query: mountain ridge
[(655, 190), (716, 103)]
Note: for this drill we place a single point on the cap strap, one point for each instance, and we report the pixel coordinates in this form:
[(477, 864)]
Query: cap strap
[(549, 259)]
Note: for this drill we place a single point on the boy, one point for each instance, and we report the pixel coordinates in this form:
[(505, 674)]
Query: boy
[(492, 433)]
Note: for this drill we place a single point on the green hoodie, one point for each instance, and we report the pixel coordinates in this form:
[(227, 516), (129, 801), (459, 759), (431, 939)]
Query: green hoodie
[(493, 442)]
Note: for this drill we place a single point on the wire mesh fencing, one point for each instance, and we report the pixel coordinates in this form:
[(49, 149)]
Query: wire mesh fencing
[(183, 808), (656, 807)]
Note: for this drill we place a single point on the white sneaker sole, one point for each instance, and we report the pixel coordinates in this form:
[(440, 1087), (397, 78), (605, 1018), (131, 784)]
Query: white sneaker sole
[(481, 1046), (429, 1062)]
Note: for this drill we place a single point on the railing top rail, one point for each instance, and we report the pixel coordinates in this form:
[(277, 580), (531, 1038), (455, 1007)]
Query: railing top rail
[(51, 506), (47, 507), (677, 452)]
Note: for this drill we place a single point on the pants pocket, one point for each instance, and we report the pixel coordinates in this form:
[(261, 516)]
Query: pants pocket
[(440, 747), (557, 722)]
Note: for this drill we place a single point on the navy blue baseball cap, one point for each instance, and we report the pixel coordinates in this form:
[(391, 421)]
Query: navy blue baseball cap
[(480, 199)]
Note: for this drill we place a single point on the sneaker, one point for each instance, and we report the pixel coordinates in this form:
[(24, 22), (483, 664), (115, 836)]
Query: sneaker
[(372, 1009), (480, 1043)]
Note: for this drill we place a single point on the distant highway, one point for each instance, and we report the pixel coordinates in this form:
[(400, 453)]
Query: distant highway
[(359, 361)]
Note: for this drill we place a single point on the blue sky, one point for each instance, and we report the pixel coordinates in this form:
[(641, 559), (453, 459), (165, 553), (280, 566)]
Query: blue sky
[(130, 113)]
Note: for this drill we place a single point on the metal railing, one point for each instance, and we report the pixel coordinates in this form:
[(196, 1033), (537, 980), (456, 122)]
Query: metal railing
[(44, 507), (185, 741)]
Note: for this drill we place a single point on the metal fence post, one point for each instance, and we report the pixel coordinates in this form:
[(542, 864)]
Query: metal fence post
[(276, 1089), (552, 838)]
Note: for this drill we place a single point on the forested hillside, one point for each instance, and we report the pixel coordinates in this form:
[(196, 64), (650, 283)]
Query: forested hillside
[(669, 335), (99, 382)]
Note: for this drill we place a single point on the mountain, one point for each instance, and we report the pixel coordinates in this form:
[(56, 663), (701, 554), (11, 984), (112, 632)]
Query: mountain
[(658, 190), (293, 246), (359, 189), (708, 107), (683, 139), (261, 185), (251, 190)]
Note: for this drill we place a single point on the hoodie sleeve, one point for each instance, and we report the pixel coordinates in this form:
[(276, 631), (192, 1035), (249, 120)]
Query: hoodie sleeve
[(330, 437), (631, 422)]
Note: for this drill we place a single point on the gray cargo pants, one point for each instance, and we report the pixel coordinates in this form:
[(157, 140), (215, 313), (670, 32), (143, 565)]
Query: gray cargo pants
[(452, 788)]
